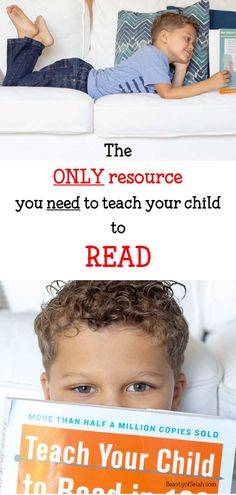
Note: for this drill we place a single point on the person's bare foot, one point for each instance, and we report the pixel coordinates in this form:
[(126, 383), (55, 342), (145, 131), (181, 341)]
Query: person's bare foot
[(24, 26), (43, 35)]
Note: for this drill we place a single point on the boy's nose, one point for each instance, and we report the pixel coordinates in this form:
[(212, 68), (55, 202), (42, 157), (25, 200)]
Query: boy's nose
[(111, 399)]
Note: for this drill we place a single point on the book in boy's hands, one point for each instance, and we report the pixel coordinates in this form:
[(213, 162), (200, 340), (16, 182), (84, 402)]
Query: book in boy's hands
[(222, 51), (60, 448)]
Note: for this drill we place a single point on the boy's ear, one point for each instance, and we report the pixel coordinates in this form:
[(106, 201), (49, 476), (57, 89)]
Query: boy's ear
[(163, 36), (45, 385), (180, 386)]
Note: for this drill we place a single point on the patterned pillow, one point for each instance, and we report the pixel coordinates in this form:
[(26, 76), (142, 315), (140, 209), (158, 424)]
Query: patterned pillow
[(134, 31)]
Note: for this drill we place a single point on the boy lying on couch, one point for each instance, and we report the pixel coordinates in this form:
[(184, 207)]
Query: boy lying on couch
[(146, 71)]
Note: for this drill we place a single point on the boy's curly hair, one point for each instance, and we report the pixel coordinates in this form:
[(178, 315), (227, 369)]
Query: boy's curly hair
[(146, 305), (170, 21)]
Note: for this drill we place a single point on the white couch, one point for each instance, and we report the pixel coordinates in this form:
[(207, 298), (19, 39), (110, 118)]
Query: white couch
[(68, 124)]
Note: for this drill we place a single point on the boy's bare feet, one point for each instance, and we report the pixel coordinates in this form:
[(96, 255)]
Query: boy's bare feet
[(24, 26), (43, 35)]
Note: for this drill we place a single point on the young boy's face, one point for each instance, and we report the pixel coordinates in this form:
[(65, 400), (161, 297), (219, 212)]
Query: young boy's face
[(115, 366), (179, 44)]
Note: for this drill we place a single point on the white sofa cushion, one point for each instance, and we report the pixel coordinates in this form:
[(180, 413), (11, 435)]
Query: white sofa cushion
[(68, 21), (146, 115), (45, 110), (223, 5), (204, 372), (224, 347), (20, 358), (19, 354)]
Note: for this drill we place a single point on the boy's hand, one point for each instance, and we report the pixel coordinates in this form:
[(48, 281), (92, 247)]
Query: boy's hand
[(178, 65), (219, 80), (179, 75)]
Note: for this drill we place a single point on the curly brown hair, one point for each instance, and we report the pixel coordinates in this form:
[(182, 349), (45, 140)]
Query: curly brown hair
[(146, 305), (170, 21)]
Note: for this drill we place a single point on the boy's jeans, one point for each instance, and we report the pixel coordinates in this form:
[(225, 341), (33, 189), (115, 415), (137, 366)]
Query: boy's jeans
[(22, 55)]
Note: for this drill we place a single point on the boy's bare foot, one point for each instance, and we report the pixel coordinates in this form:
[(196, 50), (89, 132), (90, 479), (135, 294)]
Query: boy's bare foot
[(43, 35), (24, 26)]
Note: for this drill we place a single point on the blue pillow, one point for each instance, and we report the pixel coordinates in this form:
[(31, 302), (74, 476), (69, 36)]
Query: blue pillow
[(134, 31), (222, 19)]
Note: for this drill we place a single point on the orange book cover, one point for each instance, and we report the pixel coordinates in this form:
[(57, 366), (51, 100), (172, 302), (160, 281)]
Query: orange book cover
[(60, 448)]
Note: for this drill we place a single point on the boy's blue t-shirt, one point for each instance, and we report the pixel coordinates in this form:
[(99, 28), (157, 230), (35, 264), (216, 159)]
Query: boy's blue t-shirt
[(138, 74)]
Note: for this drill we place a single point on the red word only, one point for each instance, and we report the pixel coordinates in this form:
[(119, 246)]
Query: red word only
[(118, 257)]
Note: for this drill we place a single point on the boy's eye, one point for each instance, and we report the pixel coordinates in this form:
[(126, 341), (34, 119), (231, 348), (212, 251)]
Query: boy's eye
[(84, 389), (138, 387)]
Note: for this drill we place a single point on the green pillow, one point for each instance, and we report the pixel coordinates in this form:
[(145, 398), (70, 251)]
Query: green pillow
[(134, 31)]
